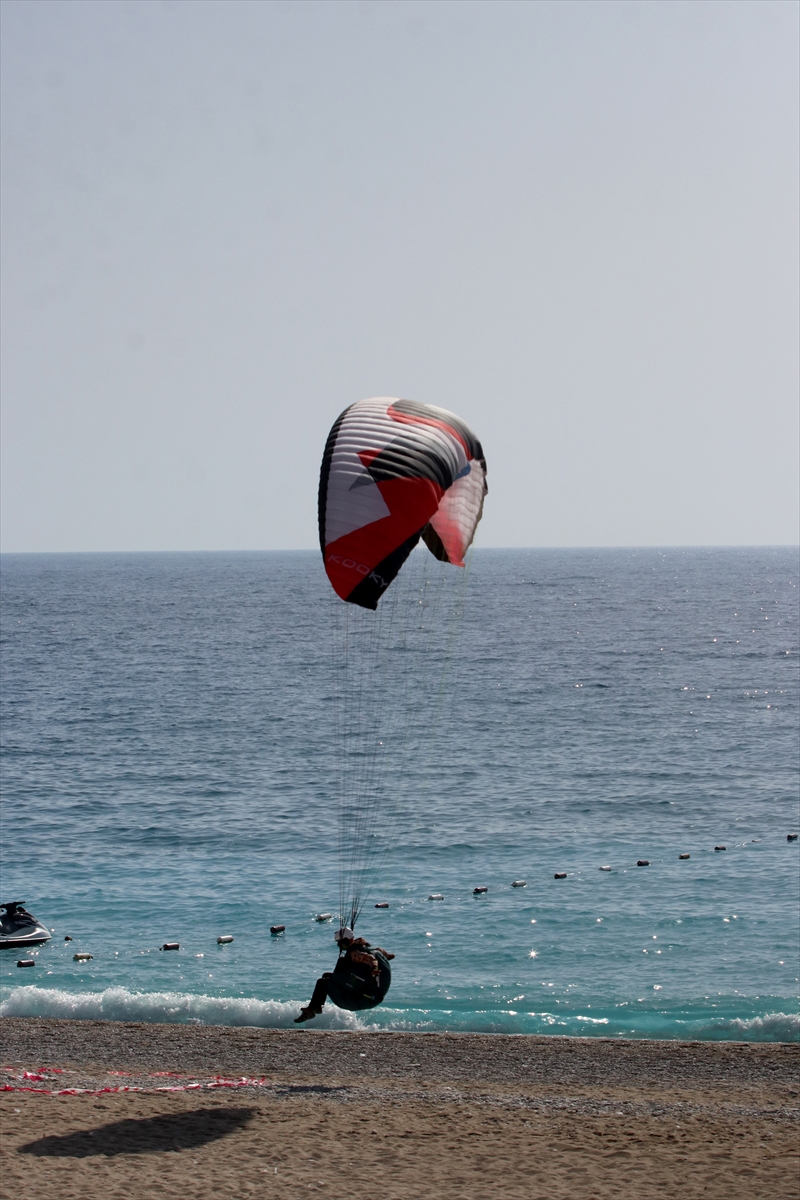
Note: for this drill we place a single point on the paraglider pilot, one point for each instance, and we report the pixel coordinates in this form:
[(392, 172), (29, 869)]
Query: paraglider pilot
[(359, 980)]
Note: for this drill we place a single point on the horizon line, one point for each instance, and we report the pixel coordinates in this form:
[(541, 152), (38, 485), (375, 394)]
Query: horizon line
[(316, 550)]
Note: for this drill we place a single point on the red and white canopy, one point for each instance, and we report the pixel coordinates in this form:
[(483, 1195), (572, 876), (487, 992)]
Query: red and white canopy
[(393, 472)]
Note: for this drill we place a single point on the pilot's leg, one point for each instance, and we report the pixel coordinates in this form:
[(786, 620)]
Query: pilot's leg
[(317, 1001)]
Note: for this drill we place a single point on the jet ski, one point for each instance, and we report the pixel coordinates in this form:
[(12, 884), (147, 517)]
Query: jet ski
[(19, 928)]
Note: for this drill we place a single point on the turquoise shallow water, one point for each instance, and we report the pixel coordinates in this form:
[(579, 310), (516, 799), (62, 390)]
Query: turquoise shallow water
[(167, 775)]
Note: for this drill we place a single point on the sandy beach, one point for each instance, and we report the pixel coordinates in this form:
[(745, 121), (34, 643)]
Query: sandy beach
[(253, 1112)]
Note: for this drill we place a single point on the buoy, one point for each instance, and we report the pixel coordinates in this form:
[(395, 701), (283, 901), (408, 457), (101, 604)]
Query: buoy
[(26, 962), (436, 896), (720, 847), (520, 883), (324, 917), (560, 875), (224, 939), (605, 868), (383, 904), (479, 891), (83, 957), (643, 862), (277, 928), (171, 946), (67, 938), (791, 837), (684, 856)]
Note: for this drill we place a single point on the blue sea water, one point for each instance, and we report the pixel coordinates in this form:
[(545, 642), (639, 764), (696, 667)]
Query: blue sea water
[(168, 752)]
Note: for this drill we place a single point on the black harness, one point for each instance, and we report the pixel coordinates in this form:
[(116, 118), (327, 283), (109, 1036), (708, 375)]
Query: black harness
[(353, 986)]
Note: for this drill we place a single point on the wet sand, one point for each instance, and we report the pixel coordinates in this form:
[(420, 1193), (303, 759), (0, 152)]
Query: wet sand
[(427, 1116)]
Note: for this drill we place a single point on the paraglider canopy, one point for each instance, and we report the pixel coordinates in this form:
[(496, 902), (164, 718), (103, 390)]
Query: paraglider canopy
[(393, 472)]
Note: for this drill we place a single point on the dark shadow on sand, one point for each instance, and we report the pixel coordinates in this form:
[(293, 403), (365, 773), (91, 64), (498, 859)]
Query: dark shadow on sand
[(149, 1135)]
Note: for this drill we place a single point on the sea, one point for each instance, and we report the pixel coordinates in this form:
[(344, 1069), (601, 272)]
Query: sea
[(168, 775)]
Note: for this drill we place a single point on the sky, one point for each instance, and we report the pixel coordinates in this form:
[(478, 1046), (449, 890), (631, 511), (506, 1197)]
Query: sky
[(573, 224)]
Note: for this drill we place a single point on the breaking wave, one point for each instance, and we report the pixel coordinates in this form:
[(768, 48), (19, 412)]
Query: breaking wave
[(120, 1004), (773, 1027)]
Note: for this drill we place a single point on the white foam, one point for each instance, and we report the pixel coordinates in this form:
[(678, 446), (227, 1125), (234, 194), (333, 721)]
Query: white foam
[(119, 1004), (780, 1027)]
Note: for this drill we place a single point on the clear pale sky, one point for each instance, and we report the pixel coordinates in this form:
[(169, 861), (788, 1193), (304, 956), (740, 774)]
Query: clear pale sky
[(574, 224)]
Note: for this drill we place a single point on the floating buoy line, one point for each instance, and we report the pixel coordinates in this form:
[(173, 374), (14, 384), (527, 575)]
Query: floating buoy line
[(646, 862), (480, 890)]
